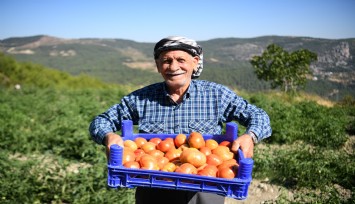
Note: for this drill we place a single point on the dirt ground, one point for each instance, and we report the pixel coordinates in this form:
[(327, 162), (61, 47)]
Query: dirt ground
[(260, 192)]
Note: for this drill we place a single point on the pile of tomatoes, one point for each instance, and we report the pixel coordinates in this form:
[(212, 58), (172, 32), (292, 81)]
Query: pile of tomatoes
[(190, 154)]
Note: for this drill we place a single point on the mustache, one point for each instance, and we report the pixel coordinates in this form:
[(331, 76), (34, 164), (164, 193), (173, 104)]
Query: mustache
[(175, 73)]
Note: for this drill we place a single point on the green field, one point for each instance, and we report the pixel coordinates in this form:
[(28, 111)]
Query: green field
[(48, 156)]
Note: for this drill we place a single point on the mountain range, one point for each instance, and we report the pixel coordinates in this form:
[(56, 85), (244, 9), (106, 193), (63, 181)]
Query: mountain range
[(226, 60)]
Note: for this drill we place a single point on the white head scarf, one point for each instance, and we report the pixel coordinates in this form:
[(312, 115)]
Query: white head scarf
[(181, 43)]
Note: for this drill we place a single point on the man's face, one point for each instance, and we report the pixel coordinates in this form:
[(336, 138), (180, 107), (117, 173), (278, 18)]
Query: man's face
[(176, 67)]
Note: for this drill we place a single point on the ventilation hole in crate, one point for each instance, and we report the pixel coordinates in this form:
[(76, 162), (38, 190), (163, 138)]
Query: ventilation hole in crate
[(164, 179), (185, 181)]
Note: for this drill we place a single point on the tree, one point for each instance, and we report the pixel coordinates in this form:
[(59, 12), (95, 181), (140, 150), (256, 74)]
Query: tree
[(286, 70)]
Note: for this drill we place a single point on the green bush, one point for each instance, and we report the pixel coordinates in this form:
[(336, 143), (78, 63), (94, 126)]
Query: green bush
[(306, 121), (48, 156)]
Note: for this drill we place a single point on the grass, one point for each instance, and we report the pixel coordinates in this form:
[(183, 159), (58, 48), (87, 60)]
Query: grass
[(44, 133)]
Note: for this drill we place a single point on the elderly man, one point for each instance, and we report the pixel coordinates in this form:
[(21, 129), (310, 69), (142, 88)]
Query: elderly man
[(181, 104)]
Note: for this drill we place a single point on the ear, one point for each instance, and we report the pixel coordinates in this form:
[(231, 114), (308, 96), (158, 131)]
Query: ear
[(157, 65), (195, 61)]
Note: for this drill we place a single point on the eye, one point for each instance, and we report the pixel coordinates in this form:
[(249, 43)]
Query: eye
[(181, 60), (166, 61)]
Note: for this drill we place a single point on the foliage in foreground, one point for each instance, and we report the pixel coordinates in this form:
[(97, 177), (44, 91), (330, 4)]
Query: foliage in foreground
[(51, 125), (48, 157)]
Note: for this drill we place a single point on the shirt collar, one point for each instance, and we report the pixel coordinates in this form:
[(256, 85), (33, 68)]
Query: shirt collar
[(187, 95)]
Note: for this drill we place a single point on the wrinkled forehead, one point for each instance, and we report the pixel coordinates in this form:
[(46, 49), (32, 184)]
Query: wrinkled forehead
[(175, 53)]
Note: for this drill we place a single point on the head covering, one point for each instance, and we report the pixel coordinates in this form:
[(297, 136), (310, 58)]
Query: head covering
[(181, 43)]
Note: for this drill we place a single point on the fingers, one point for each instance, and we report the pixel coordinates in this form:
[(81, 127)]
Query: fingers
[(235, 146), (246, 144), (110, 139)]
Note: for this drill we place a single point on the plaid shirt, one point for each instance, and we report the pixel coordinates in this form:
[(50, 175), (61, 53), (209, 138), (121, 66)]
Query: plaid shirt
[(206, 106)]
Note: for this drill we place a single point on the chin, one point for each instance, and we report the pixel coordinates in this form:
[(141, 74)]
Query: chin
[(176, 83)]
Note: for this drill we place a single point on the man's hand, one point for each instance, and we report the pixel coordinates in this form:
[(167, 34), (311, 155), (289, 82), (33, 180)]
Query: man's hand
[(246, 144), (110, 139)]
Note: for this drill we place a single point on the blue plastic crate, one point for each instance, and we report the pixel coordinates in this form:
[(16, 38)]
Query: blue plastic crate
[(120, 176)]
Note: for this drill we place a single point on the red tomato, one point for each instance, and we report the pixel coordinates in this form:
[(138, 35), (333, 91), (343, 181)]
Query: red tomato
[(130, 144), (148, 162), (173, 154), (162, 161), (206, 172), (128, 155), (139, 153), (132, 165), (229, 163), (186, 168), (169, 167), (166, 145), (214, 160), (226, 144), (226, 172), (148, 146), (179, 140), (140, 141), (194, 157), (156, 153), (196, 140), (211, 143), (223, 152), (205, 150), (155, 140)]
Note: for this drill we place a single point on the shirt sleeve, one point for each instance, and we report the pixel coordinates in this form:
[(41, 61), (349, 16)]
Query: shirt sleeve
[(110, 121), (253, 118), (105, 123)]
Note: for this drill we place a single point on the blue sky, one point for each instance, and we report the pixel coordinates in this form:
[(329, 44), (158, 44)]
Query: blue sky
[(151, 20)]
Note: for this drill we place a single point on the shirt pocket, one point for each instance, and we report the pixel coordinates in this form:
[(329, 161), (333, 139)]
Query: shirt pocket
[(151, 127), (203, 126)]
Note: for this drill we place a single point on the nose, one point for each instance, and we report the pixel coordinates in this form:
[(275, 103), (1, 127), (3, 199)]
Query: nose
[(174, 65)]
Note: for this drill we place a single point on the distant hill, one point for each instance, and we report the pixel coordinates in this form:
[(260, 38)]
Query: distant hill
[(226, 60), (16, 75)]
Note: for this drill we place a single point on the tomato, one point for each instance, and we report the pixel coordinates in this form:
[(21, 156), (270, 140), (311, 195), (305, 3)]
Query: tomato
[(169, 167), (223, 152), (226, 144), (229, 163), (138, 153), (211, 143), (177, 162), (226, 172), (186, 168), (214, 160), (193, 156), (156, 153), (211, 168), (206, 172), (130, 144), (162, 161), (140, 141), (173, 154), (166, 145), (179, 140), (171, 141), (148, 146), (132, 165), (205, 150), (128, 155), (183, 147), (196, 140), (148, 162), (155, 140)]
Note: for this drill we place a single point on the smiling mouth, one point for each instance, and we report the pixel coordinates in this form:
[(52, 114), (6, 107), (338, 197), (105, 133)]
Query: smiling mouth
[(174, 74)]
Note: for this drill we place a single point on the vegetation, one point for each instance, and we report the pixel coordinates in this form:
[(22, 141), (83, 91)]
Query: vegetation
[(48, 157), (286, 70), (226, 60)]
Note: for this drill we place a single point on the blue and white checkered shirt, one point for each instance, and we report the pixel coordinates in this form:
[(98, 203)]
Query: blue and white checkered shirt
[(206, 106)]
